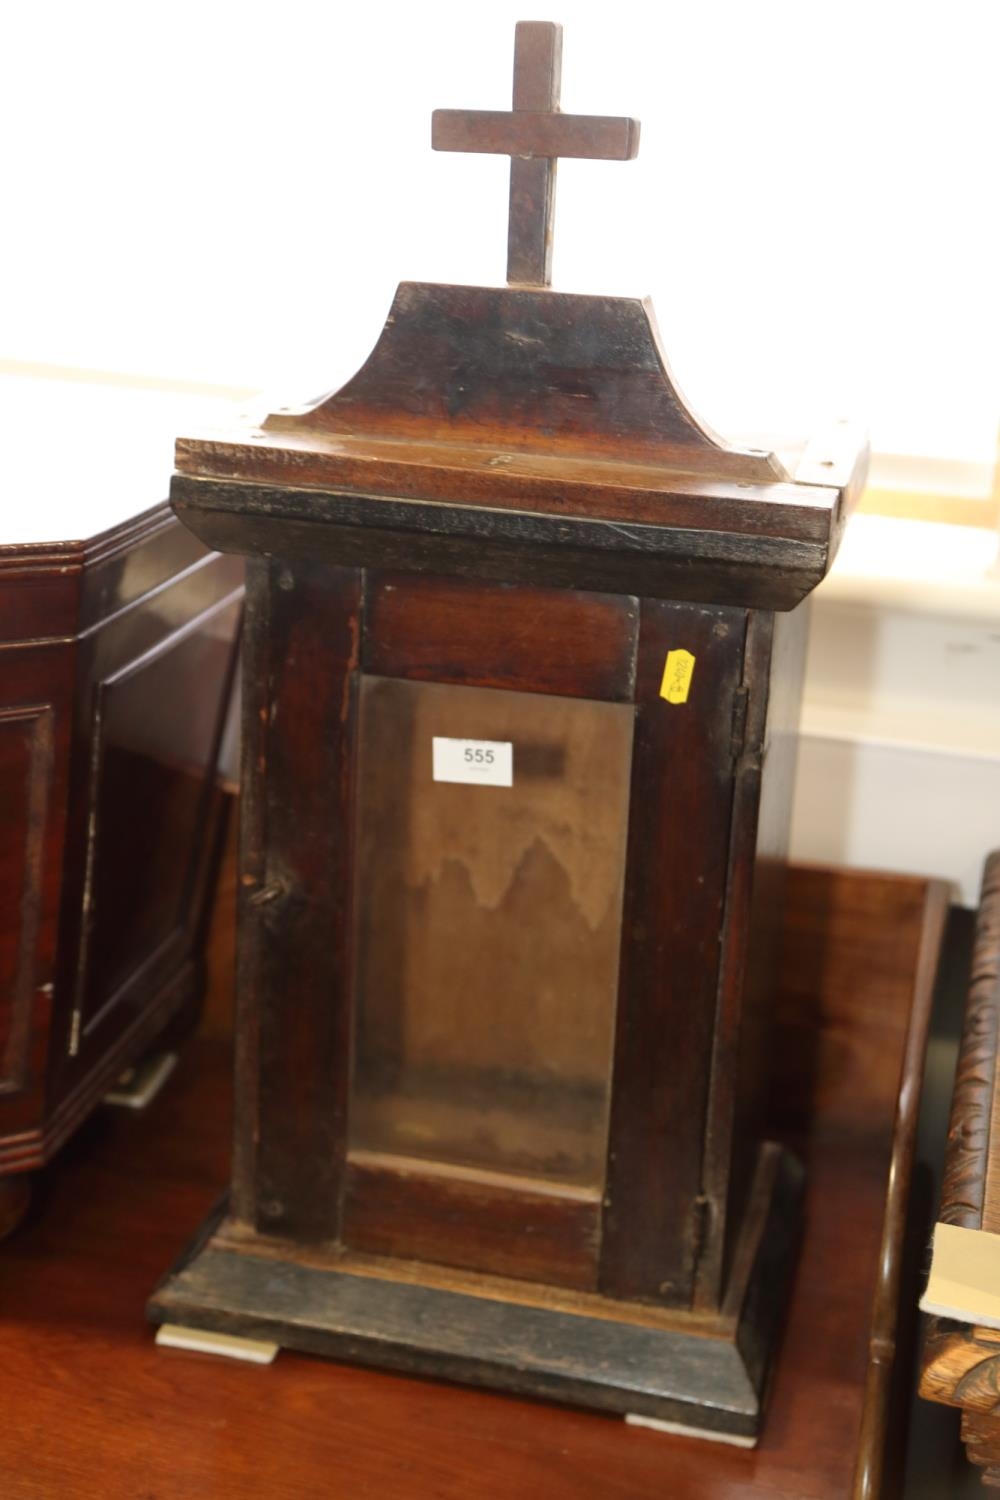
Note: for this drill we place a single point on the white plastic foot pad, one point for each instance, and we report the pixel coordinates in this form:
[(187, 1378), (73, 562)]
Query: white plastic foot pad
[(138, 1087), (678, 1429), (204, 1341)]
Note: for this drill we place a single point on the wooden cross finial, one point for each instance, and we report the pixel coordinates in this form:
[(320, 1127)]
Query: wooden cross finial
[(534, 134)]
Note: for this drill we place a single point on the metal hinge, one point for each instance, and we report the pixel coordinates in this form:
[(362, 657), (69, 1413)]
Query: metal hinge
[(741, 700), (702, 1218)]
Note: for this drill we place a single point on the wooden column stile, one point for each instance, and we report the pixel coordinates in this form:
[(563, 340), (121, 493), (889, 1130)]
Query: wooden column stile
[(675, 888), (255, 658), (764, 753), (304, 623), (718, 1169)]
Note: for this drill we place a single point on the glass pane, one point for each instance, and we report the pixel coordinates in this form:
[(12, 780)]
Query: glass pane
[(159, 728), (488, 928)]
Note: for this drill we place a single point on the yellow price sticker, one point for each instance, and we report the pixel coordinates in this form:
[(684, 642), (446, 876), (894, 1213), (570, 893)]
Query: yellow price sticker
[(677, 673)]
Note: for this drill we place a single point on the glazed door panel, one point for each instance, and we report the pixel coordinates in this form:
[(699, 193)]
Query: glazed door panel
[(489, 916), (152, 691), (495, 986), (494, 755)]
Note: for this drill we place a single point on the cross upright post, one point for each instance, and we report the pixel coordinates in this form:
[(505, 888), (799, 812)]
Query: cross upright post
[(534, 134)]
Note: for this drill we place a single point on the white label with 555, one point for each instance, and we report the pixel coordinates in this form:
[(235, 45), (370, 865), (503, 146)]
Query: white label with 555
[(480, 762)]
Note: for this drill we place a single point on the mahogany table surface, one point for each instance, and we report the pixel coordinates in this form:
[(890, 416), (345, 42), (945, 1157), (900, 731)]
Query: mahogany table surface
[(91, 1408)]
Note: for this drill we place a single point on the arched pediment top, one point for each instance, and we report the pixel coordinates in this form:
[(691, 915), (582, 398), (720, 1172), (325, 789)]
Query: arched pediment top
[(526, 370)]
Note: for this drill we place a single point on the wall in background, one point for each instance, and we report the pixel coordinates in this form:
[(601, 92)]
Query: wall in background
[(899, 763), (228, 192), (225, 194)]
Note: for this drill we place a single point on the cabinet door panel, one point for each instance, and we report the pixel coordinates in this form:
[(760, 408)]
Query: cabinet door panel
[(158, 731), (35, 687), (150, 696)]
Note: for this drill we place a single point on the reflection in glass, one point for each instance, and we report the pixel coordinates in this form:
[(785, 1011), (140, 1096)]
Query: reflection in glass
[(159, 728), (488, 932)]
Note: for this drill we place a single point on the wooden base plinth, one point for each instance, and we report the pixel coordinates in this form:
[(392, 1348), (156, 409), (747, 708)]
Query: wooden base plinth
[(705, 1374), (15, 1196)]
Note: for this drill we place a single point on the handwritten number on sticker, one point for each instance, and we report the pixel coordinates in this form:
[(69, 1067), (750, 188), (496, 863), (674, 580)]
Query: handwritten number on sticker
[(677, 673)]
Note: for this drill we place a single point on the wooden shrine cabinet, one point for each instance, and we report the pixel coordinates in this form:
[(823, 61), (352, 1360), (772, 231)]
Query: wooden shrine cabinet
[(116, 658), (523, 655)]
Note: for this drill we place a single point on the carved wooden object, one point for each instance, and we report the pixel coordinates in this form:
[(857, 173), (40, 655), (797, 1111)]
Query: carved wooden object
[(501, 1057), (961, 1362)]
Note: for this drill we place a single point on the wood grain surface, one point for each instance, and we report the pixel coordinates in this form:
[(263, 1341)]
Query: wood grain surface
[(455, 630), (960, 1362), (300, 648), (680, 811), (529, 371), (92, 1409), (533, 135), (537, 418)]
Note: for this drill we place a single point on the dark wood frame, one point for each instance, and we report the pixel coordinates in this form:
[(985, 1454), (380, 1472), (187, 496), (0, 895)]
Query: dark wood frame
[(851, 1003)]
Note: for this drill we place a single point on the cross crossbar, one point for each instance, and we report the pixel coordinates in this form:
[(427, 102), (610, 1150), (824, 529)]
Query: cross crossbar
[(534, 134)]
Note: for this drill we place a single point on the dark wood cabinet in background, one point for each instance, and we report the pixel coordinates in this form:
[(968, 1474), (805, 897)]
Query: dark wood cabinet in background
[(116, 658)]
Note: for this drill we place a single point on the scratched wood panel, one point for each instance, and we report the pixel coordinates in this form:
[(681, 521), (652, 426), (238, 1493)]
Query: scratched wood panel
[(506, 546), (468, 1220), (535, 641)]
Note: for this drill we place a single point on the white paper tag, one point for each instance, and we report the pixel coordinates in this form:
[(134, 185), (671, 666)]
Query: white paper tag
[(480, 762)]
